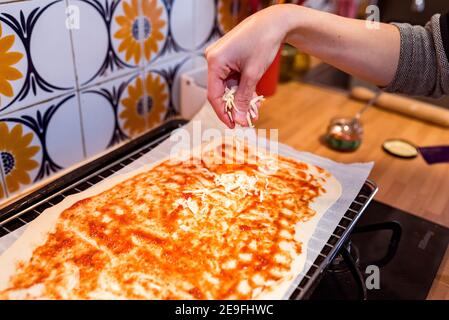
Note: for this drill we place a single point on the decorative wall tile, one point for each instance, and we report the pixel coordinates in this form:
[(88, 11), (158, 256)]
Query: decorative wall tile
[(204, 23), (126, 31), (116, 37), (122, 108), (166, 70), (154, 28), (106, 44), (21, 156), (157, 98), (143, 104), (181, 24), (2, 186), (193, 62), (68, 92), (13, 64), (102, 113), (63, 134), (93, 52), (171, 71), (37, 58), (131, 108), (98, 111), (191, 25), (39, 141)]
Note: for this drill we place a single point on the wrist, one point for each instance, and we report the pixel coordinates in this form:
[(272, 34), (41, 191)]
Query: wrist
[(291, 17), (279, 20)]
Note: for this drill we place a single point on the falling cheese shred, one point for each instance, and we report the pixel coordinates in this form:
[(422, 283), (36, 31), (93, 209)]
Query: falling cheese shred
[(229, 97)]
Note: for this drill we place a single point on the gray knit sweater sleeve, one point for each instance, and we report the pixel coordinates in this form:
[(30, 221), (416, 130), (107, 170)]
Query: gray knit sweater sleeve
[(423, 65)]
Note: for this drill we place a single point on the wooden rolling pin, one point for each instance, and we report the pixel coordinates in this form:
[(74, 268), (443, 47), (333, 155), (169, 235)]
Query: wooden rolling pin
[(406, 106)]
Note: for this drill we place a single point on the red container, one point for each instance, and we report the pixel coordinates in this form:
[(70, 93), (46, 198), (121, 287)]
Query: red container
[(268, 83)]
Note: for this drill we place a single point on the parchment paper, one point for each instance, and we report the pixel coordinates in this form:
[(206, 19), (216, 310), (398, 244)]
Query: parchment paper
[(350, 176)]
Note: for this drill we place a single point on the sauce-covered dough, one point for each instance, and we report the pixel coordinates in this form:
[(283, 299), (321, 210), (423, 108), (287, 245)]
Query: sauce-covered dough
[(197, 229)]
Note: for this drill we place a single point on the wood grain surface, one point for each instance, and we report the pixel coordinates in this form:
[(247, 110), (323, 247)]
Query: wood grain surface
[(302, 113)]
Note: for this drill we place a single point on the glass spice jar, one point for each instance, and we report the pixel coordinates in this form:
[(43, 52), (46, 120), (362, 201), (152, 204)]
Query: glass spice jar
[(344, 134)]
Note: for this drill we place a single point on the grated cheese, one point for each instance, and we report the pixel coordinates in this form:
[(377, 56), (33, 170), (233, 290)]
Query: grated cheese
[(188, 203), (231, 184), (228, 98), (234, 186)]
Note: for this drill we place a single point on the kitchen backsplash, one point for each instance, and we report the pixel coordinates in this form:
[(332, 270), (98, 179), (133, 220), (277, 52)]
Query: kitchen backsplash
[(79, 76)]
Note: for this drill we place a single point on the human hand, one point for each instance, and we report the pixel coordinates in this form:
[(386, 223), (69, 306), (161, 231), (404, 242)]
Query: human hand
[(241, 57)]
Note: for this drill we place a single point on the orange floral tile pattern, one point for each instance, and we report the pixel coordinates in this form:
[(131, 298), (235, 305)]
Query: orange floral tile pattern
[(134, 112), (144, 109), (156, 99), (7, 59), (16, 154), (153, 25), (130, 23)]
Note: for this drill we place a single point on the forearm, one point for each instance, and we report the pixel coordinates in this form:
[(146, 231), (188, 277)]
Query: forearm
[(406, 59), (370, 54)]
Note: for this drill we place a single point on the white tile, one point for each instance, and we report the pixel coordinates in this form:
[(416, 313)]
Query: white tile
[(3, 192), (204, 23), (191, 23), (90, 41), (192, 62), (100, 109), (112, 112), (172, 71), (63, 135), (107, 41), (182, 24), (46, 68), (98, 118), (50, 46)]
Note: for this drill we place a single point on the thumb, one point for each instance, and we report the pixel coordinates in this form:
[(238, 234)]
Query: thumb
[(243, 96)]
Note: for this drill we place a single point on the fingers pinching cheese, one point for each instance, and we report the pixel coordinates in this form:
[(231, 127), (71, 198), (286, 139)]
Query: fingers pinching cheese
[(252, 113)]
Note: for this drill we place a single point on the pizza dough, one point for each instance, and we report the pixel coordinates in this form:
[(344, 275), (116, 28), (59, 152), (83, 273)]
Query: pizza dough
[(232, 224)]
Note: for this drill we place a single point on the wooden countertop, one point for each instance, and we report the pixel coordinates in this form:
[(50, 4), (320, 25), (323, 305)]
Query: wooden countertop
[(302, 113)]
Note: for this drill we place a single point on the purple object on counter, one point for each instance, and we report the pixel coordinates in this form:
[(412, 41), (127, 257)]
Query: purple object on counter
[(437, 154)]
